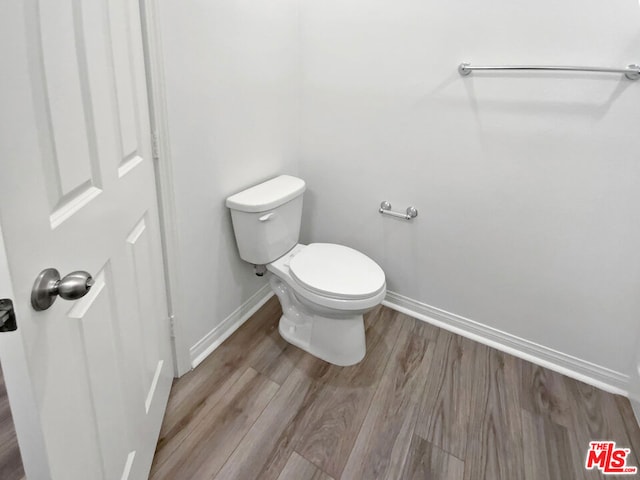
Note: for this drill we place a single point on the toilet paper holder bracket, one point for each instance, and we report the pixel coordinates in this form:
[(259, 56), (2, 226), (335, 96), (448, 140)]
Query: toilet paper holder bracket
[(385, 209)]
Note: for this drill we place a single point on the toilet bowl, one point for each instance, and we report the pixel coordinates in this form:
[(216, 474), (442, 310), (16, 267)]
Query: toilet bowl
[(324, 288)]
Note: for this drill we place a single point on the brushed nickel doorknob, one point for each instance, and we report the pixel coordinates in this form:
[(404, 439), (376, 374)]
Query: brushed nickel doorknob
[(49, 285)]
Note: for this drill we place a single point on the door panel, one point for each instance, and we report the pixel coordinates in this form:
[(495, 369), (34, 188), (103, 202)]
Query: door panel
[(123, 48), (71, 164), (95, 319), (140, 261), (79, 194)]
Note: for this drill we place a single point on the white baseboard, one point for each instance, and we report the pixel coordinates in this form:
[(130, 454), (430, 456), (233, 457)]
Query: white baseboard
[(596, 375), (221, 332)]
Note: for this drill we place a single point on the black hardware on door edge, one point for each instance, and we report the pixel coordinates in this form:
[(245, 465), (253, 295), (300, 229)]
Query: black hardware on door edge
[(7, 316)]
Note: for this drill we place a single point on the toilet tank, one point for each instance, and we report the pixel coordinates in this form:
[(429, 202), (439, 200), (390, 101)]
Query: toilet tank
[(266, 218)]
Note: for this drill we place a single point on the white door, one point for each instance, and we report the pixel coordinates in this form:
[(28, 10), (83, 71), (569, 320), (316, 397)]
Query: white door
[(77, 192)]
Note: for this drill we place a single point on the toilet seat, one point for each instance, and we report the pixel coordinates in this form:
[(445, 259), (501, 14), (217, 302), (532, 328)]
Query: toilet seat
[(337, 272), (331, 299)]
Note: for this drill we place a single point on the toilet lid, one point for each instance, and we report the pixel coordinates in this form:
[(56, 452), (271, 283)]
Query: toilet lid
[(337, 271)]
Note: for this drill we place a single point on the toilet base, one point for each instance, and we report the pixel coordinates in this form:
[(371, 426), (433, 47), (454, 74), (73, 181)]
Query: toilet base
[(340, 342), (338, 339)]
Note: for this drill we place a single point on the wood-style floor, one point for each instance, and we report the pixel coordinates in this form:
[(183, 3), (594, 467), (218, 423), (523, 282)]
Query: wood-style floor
[(10, 460), (423, 404)]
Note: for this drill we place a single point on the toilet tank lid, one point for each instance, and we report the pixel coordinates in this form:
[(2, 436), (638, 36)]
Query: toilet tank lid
[(267, 195)]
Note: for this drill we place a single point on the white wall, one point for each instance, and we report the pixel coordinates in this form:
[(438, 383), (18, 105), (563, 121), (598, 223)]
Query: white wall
[(232, 77), (528, 186)]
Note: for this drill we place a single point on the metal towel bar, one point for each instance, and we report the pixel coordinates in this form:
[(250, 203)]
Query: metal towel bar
[(632, 72)]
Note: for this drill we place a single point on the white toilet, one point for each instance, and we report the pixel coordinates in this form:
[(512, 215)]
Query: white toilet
[(324, 288)]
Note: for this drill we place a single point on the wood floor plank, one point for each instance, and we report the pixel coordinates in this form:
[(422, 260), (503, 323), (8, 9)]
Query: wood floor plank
[(268, 443), (299, 468), (327, 433), (486, 412), (213, 377), (494, 445), (544, 392), (427, 461), (595, 416), (276, 357), (631, 427), (547, 449), (317, 412), (385, 437), (11, 467), (200, 449), (445, 405)]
